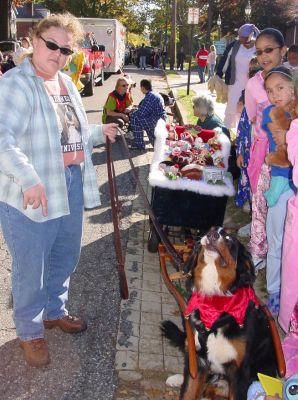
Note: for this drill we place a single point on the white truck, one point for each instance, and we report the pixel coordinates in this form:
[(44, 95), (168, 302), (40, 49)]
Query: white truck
[(112, 34)]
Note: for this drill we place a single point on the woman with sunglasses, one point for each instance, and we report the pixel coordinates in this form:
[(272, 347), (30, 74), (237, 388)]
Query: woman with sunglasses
[(234, 65), (45, 184), (118, 104), (270, 50)]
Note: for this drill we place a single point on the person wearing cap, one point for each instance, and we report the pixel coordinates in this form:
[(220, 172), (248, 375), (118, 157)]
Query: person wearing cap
[(234, 66)]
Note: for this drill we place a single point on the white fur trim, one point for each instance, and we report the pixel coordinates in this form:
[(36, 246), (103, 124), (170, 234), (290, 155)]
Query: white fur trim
[(157, 178), (220, 351), (175, 380)]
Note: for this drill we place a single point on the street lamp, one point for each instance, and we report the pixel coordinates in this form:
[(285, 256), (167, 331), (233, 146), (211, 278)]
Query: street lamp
[(219, 25), (248, 11), (295, 28)]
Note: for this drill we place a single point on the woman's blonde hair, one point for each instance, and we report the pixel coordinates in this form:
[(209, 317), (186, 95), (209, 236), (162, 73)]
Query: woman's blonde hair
[(65, 21), (119, 82)]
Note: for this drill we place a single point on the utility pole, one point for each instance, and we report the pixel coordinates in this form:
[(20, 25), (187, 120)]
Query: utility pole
[(173, 35), (209, 24), (5, 19)]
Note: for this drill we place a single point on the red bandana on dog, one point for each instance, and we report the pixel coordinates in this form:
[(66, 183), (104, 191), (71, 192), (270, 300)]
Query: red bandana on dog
[(211, 307)]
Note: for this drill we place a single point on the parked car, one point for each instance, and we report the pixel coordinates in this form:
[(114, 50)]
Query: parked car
[(94, 63)]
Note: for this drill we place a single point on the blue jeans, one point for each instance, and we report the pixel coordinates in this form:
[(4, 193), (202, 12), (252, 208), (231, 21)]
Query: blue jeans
[(275, 226), (211, 68), (143, 62), (201, 72), (44, 255)]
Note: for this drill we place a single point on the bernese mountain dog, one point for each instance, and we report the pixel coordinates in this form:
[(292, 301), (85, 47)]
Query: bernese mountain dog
[(231, 332)]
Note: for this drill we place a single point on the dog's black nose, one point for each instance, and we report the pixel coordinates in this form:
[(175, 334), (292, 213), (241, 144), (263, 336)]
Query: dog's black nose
[(213, 235)]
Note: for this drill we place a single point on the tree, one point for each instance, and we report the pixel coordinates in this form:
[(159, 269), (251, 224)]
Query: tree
[(132, 13)]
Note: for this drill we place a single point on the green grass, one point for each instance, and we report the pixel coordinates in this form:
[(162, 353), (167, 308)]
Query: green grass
[(172, 73), (186, 102)]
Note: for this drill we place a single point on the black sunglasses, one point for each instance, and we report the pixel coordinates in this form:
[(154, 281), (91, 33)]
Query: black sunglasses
[(53, 46), (266, 51)]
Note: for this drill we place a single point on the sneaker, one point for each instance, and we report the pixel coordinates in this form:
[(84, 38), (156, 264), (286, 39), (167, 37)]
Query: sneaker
[(273, 303), (259, 264), (129, 135), (244, 231), (36, 352), (134, 147)]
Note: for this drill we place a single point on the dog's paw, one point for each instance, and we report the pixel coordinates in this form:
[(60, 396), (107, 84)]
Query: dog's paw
[(175, 380)]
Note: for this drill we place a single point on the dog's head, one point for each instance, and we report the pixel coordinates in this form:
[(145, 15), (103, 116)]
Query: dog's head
[(222, 265)]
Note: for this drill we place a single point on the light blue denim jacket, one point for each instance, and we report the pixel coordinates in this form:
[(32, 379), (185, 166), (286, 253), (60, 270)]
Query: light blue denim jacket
[(30, 148)]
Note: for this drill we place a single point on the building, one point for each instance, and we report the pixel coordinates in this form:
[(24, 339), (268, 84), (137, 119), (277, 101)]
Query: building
[(28, 15)]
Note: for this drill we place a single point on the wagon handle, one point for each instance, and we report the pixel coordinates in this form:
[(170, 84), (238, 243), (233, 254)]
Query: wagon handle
[(280, 360), (193, 364)]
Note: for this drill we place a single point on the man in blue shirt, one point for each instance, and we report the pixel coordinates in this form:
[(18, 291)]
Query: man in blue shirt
[(145, 118)]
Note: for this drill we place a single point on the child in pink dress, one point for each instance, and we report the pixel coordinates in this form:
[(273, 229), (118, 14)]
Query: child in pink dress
[(289, 275), (270, 49)]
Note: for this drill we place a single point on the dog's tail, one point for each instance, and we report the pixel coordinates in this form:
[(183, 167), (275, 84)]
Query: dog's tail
[(173, 334)]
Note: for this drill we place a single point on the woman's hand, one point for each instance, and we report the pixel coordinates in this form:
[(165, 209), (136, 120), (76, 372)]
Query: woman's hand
[(36, 197), (110, 130), (125, 117), (240, 161)]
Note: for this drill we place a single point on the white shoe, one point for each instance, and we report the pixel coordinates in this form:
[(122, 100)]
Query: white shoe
[(175, 380), (244, 231), (129, 135), (246, 208)]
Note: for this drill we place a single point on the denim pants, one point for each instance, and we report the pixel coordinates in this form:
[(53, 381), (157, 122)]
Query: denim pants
[(275, 227), (211, 69), (201, 72), (44, 255), (143, 62)]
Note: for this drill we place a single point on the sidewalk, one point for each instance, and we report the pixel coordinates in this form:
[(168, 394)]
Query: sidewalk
[(144, 359)]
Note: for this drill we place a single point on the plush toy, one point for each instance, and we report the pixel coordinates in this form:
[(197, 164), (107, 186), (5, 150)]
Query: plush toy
[(75, 67), (216, 84), (279, 157), (192, 171)]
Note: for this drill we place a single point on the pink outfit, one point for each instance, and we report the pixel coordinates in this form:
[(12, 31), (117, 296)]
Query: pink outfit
[(259, 173), (290, 345), (289, 274)]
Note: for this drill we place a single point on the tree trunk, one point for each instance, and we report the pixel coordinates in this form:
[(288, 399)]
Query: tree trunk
[(173, 35), (5, 15)]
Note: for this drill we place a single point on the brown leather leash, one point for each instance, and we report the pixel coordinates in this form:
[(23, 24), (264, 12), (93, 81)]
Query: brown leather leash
[(116, 206)]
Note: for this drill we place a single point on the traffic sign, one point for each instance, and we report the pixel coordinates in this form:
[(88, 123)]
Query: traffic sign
[(220, 46), (193, 16)]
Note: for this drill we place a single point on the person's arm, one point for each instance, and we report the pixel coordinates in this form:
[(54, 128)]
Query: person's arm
[(221, 64), (250, 100), (15, 113), (110, 107), (146, 106)]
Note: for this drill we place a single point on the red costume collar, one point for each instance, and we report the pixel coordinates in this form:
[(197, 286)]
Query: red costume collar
[(211, 307)]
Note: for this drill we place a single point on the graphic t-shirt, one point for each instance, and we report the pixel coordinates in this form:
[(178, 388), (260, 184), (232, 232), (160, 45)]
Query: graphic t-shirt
[(68, 122)]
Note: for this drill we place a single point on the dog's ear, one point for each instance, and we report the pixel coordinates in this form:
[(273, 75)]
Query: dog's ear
[(245, 268)]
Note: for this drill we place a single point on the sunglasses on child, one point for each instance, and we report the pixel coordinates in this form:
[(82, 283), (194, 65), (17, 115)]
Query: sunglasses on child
[(53, 46), (268, 50)]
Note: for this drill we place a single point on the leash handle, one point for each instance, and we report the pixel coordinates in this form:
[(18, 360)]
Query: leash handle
[(178, 260), (192, 353), (115, 206)]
